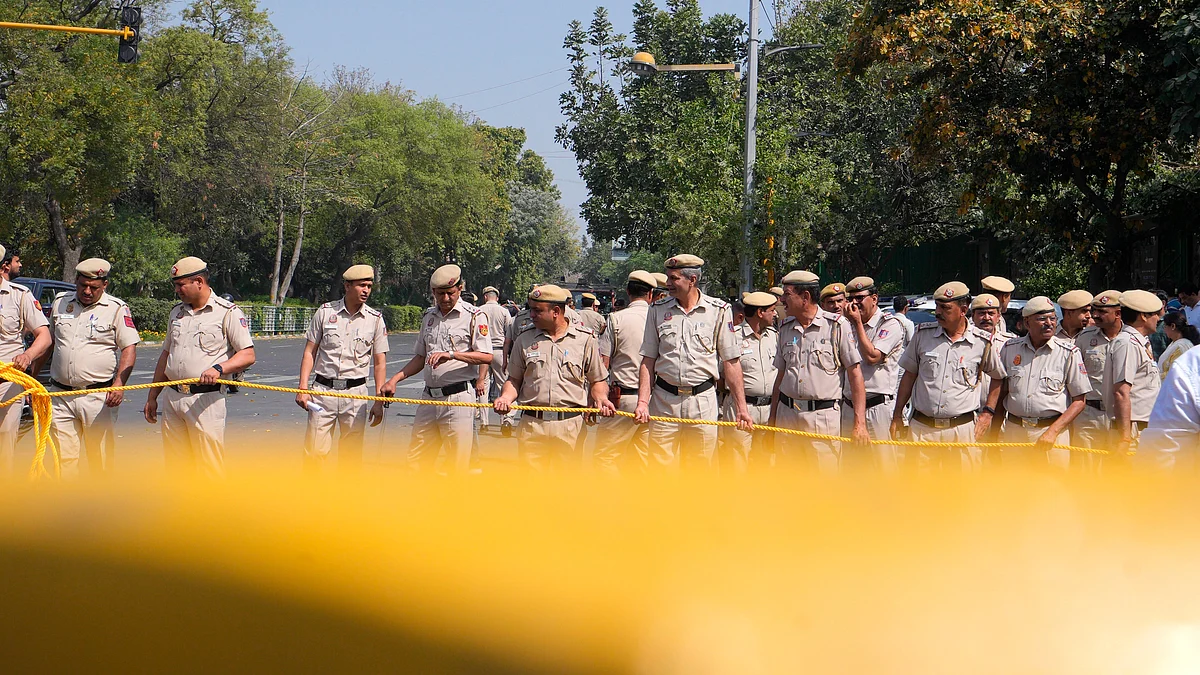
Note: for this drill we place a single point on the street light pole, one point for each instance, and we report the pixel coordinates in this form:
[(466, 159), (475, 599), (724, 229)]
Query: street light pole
[(747, 249)]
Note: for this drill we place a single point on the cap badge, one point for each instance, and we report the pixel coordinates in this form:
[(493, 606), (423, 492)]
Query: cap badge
[(949, 293), (174, 270), (537, 293)]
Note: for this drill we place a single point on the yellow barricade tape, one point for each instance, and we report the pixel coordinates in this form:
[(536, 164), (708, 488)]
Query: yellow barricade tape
[(42, 414)]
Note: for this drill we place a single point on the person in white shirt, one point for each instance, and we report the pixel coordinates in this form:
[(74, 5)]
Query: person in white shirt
[(1189, 297), (1171, 440), (1183, 336), (900, 306)]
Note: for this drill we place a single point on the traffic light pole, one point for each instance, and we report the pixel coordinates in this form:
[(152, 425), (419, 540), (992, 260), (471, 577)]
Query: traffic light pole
[(746, 254), (127, 33)]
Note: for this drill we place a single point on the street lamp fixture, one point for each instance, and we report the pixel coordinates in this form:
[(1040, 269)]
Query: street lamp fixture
[(643, 64)]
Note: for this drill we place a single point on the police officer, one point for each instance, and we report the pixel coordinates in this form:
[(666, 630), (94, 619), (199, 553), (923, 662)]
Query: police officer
[(1003, 289), (453, 342), (96, 345), (1131, 379), (591, 318), (1076, 314), (20, 315), (689, 342), (1042, 390), (758, 342), (944, 366), (346, 341), (780, 307), (207, 337), (621, 350), (833, 298), (557, 364), (881, 341), (986, 315), (499, 326), (660, 290), (1091, 427), (816, 351)]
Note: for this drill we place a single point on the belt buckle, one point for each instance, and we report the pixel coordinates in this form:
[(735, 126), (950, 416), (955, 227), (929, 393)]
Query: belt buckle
[(339, 385), (1029, 423), (941, 423), (185, 389), (436, 392), (684, 391)]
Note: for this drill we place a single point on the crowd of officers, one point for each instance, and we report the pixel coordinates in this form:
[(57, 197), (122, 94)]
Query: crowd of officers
[(825, 360)]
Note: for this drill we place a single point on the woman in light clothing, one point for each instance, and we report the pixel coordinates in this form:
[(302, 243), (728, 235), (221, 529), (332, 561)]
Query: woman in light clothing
[(1183, 337)]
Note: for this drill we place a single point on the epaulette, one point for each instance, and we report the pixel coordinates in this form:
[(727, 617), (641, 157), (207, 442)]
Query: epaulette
[(327, 305), (527, 328), (19, 287), (719, 303), (372, 311), (663, 301), (930, 325), (428, 311), (1089, 330), (788, 320), (584, 329), (118, 301), (471, 309), (177, 306), (1006, 335), (223, 302), (61, 294)]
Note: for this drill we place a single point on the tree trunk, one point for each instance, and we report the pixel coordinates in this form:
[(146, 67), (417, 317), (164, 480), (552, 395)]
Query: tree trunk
[(278, 255), (287, 279), (68, 250)]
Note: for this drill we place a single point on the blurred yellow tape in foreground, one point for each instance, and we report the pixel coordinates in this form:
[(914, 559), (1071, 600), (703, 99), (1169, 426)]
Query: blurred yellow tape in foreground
[(263, 573)]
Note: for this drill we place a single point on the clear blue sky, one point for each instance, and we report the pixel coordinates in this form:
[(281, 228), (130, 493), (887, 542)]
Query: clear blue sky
[(446, 49)]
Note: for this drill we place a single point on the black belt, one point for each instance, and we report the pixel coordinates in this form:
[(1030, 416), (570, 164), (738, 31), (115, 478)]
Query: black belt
[(189, 389), (98, 385), (338, 385), (693, 390), (450, 389), (758, 401), (626, 391), (943, 422), (1098, 405), (551, 416), (806, 405), (872, 400), (1030, 422)]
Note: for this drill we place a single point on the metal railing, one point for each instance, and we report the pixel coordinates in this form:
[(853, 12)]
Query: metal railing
[(271, 320)]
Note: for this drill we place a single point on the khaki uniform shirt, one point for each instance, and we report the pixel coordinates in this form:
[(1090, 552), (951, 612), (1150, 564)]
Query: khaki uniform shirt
[(1061, 334), (1000, 338), (886, 333), (523, 321), (758, 358), (814, 357), (196, 339), (1131, 359), (622, 343), (1042, 383), (556, 372), (20, 313), (88, 339), (593, 320), (499, 323), (346, 342), (1094, 345), (463, 329), (689, 347), (949, 374)]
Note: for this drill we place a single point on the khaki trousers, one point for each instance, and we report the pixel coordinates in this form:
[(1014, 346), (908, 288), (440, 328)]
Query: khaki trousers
[(193, 429), (83, 421), (1091, 429), (621, 443), (550, 444), (437, 428), (10, 427), (951, 460), (798, 451), (1028, 457), (348, 415), (673, 444), (739, 451), (886, 458)]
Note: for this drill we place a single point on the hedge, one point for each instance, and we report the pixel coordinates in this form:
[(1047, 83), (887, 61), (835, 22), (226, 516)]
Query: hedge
[(402, 317), (152, 314)]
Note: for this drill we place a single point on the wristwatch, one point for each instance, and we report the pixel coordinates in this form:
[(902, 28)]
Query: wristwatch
[(217, 367), (989, 410)]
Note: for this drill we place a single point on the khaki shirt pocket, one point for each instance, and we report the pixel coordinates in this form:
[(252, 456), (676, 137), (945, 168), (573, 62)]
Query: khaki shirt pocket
[(823, 358), (704, 341), (967, 374), (791, 354), (668, 337), (930, 368), (10, 319), (64, 329), (1052, 385), (572, 368), (362, 348), (211, 340), (104, 335)]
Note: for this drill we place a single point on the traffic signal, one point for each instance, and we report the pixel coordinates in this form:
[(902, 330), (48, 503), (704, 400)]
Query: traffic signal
[(131, 17)]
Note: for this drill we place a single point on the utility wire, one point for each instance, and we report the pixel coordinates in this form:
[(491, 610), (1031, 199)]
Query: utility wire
[(767, 13), (506, 84), (522, 98)]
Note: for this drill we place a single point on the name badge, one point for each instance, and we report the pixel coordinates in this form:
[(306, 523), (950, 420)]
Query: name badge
[(933, 355), (747, 352), (66, 316), (533, 355)]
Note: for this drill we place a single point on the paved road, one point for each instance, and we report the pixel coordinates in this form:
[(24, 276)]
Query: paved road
[(264, 424)]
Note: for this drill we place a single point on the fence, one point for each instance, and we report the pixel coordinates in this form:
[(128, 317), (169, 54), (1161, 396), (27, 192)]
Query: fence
[(271, 320)]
